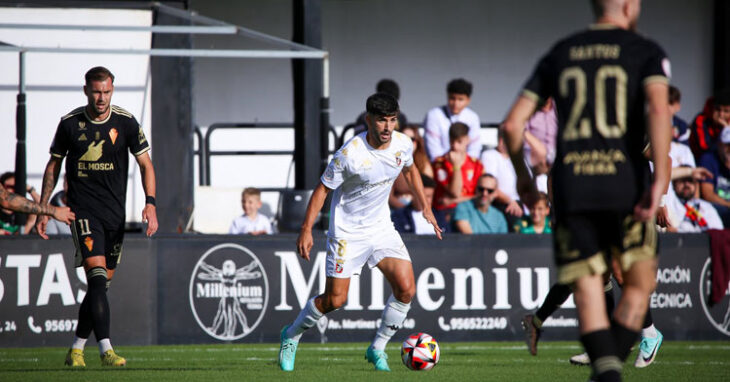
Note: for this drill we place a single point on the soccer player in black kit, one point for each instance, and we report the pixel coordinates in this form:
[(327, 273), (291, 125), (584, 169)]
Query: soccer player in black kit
[(610, 86), (95, 140)]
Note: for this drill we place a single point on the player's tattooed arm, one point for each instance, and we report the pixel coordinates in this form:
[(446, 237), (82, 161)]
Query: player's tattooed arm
[(17, 203), (50, 177)]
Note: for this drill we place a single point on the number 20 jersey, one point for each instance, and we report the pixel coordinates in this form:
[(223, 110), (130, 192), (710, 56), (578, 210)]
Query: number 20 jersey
[(597, 79)]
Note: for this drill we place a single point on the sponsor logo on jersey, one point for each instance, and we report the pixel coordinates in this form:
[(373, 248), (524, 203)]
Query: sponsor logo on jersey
[(113, 135), (719, 314), (140, 136), (229, 292), (83, 137), (93, 152)]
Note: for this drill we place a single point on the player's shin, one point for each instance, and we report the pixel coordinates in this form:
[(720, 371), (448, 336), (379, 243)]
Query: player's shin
[(601, 349), (99, 306), (307, 318), (84, 326), (394, 314)]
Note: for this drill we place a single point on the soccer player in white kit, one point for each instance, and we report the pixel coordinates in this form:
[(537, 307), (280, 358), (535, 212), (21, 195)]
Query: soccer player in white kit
[(361, 174)]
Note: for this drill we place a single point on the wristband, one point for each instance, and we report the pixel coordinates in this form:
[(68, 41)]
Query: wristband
[(662, 201), (150, 200)]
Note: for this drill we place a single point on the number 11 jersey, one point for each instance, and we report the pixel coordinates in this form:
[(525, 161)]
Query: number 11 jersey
[(597, 79)]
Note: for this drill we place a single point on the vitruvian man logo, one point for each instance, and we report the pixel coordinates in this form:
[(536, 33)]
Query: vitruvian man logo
[(228, 292)]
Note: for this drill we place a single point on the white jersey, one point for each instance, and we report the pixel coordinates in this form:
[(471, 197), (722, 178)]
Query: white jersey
[(243, 225), (362, 178)]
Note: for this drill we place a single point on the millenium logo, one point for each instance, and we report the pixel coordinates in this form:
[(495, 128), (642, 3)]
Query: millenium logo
[(229, 292)]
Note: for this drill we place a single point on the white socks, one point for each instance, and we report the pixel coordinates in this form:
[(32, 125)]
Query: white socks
[(307, 318), (394, 314), (104, 345), (79, 343), (649, 332)]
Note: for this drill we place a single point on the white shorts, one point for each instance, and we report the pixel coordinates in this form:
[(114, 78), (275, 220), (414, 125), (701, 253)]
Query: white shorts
[(345, 257)]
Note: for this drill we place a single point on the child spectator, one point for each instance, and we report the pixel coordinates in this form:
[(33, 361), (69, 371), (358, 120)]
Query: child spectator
[(251, 222), (456, 172), (539, 220)]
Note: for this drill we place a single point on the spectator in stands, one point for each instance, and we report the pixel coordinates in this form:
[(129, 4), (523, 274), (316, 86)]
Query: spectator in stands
[(681, 131), (717, 189), (708, 125), (400, 194), (539, 220), (438, 121), (477, 216), (456, 172), (54, 226), (8, 218), (688, 213), (409, 219), (251, 222), (387, 86), (542, 126), (497, 162)]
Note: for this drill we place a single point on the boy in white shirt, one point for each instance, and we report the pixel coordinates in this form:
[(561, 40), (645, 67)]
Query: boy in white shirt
[(251, 222)]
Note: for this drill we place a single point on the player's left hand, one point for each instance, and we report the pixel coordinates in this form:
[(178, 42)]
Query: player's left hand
[(647, 206), (149, 216), (662, 218), (428, 215)]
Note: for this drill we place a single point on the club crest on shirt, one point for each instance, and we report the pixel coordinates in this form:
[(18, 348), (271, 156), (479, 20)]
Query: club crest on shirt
[(469, 174), (397, 158), (82, 125), (113, 135), (89, 243)]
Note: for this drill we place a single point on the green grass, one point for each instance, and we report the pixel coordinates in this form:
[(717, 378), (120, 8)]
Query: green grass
[(474, 361)]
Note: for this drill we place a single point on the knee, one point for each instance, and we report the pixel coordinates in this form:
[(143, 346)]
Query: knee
[(96, 279), (405, 293)]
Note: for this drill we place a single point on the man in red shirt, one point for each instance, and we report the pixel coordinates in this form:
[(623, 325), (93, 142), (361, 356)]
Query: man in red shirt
[(456, 172)]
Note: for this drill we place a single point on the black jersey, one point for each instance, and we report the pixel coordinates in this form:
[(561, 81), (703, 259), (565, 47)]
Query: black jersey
[(597, 80), (97, 161)]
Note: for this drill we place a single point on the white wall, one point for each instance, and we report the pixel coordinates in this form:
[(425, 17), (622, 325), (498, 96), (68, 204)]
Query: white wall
[(422, 45), (55, 81)]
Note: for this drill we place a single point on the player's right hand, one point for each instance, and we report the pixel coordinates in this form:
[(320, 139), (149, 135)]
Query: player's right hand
[(41, 224), (305, 243)]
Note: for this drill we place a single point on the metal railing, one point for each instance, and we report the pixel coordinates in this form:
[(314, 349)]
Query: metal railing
[(205, 153)]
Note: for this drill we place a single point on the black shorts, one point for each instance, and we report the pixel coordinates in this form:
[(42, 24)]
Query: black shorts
[(585, 242), (91, 238)]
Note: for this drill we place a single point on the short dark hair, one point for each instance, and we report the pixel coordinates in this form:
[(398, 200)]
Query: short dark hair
[(674, 95), (388, 86), (98, 73), (722, 98), (459, 86), (458, 130), (381, 104), (5, 176)]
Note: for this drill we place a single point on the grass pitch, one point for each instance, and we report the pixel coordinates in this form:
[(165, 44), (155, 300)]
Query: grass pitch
[(480, 361)]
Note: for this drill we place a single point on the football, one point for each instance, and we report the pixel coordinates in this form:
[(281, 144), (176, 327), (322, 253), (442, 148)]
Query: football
[(420, 351)]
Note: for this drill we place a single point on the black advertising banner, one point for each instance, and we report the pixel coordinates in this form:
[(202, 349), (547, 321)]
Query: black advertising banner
[(40, 292), (208, 289)]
